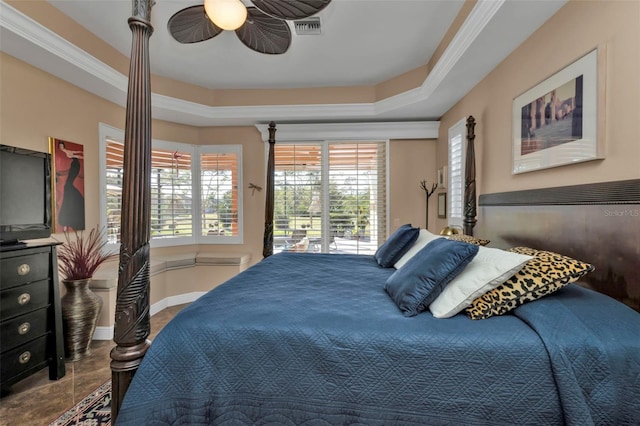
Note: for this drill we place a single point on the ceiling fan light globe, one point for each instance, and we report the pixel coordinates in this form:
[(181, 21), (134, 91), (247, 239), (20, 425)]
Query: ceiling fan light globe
[(226, 14)]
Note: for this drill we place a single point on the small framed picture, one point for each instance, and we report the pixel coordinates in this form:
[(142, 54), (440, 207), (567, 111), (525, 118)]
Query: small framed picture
[(442, 178), (442, 205)]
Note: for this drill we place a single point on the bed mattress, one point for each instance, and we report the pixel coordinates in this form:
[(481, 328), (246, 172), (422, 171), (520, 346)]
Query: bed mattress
[(315, 339)]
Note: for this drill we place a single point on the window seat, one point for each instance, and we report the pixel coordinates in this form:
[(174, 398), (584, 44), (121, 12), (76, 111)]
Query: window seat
[(174, 280)]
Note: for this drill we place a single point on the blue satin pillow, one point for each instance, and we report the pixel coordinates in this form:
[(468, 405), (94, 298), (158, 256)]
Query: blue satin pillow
[(396, 245), (414, 286)]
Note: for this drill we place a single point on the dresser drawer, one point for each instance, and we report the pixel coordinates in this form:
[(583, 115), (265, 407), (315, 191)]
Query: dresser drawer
[(23, 358), (23, 299), (31, 330), (20, 330), (18, 270)]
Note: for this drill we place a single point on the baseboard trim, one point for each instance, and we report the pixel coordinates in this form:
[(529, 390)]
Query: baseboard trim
[(103, 333), (180, 299), (106, 333)]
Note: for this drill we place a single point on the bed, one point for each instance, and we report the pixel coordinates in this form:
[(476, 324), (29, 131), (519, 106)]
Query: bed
[(315, 339), (304, 338)]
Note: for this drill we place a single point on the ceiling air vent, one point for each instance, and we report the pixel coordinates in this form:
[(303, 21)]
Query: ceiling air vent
[(309, 26)]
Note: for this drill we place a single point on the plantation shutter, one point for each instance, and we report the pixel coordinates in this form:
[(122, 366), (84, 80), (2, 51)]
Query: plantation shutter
[(298, 188), (171, 198), (331, 190), (219, 182), (357, 195), (114, 175), (456, 174)]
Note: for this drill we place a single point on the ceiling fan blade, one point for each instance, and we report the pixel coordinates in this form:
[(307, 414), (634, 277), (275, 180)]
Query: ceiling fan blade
[(264, 33), (191, 25), (291, 9)]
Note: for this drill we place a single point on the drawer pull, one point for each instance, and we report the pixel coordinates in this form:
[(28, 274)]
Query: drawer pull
[(24, 328), (24, 357), (24, 269), (24, 298)]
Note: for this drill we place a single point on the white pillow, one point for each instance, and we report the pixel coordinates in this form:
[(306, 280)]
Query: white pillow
[(424, 238), (489, 268)]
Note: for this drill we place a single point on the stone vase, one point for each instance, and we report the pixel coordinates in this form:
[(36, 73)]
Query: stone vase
[(80, 310)]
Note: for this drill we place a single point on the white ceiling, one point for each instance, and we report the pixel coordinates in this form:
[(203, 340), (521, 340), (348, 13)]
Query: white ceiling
[(363, 42)]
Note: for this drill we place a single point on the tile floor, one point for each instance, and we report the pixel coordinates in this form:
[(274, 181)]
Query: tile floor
[(37, 400)]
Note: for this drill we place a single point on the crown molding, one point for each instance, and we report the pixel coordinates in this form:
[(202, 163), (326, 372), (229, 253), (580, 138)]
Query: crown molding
[(28, 40), (187, 112), (478, 18), (352, 131)]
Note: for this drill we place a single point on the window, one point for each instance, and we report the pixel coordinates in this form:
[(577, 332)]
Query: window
[(195, 191), (457, 152), (332, 193), (220, 183), (171, 191)]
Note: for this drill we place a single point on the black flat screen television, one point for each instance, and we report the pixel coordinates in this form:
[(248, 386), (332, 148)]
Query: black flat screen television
[(25, 195)]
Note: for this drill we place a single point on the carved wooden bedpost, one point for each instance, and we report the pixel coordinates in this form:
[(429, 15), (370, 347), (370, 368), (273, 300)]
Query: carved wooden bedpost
[(132, 324), (267, 249), (469, 220)]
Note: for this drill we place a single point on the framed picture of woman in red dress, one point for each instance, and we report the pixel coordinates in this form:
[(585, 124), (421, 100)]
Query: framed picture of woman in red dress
[(68, 175)]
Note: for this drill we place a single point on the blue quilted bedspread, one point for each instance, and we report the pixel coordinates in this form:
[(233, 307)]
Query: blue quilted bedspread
[(314, 339)]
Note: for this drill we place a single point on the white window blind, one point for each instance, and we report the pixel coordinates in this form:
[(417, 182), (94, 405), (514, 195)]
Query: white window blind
[(457, 150), (221, 209), (332, 192), (196, 192), (171, 192), (298, 192), (113, 177)]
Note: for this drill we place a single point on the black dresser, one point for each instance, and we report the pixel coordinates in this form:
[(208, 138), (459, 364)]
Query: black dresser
[(31, 335)]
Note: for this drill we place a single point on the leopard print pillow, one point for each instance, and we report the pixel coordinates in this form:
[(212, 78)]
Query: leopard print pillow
[(469, 239), (546, 273)]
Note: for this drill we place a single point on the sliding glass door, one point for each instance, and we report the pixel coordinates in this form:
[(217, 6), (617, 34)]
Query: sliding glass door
[(330, 197)]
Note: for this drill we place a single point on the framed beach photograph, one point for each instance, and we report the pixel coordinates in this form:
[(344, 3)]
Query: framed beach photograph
[(68, 185), (558, 122)]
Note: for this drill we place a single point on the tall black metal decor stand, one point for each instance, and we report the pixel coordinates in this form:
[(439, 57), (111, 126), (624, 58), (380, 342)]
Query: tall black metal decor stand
[(427, 194)]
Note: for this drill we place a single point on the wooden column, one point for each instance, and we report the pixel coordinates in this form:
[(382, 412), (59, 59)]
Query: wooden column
[(267, 249), (469, 220), (132, 323)]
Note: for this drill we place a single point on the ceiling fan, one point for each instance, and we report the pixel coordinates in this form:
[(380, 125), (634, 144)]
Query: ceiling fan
[(260, 27)]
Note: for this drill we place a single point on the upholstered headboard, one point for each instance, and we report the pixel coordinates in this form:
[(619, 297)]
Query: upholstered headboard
[(597, 223)]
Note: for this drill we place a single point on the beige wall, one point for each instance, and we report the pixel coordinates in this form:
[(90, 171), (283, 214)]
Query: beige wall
[(35, 105), (576, 29), (411, 161)]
